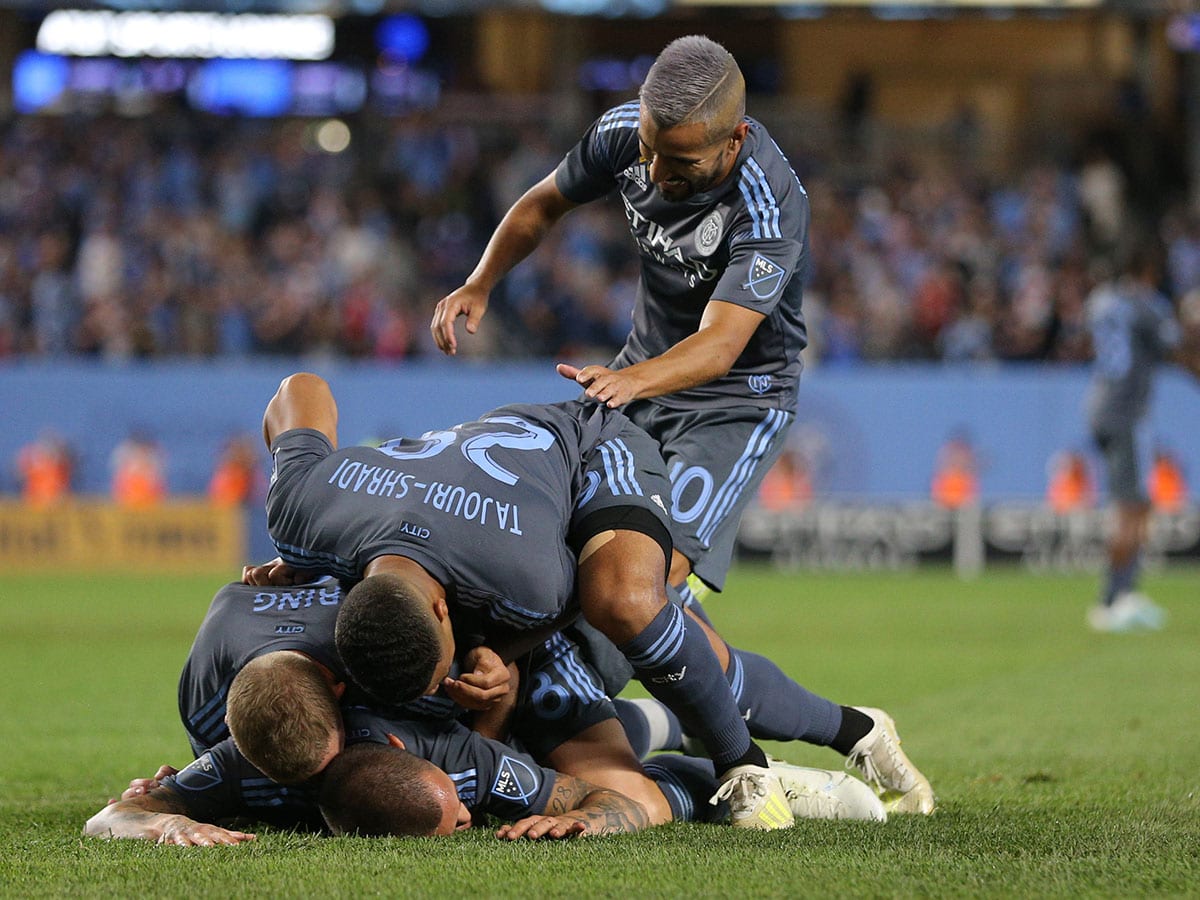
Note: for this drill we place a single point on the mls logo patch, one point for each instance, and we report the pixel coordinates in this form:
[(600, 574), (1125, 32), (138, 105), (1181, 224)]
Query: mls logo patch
[(708, 235), (515, 781), (765, 277), (202, 774)]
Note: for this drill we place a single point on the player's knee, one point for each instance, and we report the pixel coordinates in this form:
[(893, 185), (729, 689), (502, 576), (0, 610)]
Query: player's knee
[(622, 585)]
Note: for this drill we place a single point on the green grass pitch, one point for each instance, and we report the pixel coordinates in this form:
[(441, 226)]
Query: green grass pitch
[(1066, 763)]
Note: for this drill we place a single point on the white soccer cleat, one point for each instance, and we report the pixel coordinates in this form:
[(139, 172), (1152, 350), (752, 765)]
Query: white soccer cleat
[(821, 794), (1129, 612), (756, 799), (878, 756)]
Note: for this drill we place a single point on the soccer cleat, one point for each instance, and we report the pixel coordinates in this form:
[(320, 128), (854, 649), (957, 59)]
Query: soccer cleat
[(756, 799), (878, 756), (821, 794), (1128, 612)]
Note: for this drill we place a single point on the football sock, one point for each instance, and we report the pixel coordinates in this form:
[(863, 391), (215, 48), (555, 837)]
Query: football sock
[(687, 783), (649, 725), (855, 726), (776, 707), (1120, 580), (678, 667)]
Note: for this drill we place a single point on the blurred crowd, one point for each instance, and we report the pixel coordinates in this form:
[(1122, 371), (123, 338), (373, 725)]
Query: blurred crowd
[(181, 235)]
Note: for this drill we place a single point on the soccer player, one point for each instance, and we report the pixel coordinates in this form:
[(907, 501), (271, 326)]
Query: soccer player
[(720, 222), (1133, 330), (452, 779), (500, 532), (711, 367), (451, 775), (261, 647)]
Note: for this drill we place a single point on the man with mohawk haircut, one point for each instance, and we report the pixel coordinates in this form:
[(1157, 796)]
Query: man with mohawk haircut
[(712, 365)]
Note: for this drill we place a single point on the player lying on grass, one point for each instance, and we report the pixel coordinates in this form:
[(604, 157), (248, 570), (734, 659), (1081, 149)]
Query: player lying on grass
[(471, 535), (458, 776), (452, 778), (288, 690)]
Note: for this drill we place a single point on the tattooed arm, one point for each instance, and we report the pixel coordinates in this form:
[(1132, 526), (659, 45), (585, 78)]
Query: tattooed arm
[(160, 816), (577, 807)]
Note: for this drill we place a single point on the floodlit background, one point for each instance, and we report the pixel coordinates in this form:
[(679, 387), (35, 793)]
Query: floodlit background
[(196, 199)]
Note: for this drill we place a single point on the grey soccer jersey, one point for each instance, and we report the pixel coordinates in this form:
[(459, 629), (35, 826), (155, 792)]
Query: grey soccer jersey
[(744, 242), (1133, 330), (487, 507), (490, 777), (221, 785), (244, 622)]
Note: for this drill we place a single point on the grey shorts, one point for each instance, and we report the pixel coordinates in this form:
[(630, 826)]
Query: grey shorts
[(1125, 449), (561, 696), (716, 459), (625, 487)]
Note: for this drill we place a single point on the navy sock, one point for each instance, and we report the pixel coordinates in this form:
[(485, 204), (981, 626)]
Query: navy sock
[(1121, 579), (776, 707), (687, 783), (678, 667), (692, 603), (649, 725)]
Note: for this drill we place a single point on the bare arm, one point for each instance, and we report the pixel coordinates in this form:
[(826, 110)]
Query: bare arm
[(160, 816), (577, 807), (302, 401), (517, 235), (725, 329)]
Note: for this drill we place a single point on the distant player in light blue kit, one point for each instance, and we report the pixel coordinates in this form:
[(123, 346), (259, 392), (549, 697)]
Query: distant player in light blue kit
[(712, 365), (1133, 329)]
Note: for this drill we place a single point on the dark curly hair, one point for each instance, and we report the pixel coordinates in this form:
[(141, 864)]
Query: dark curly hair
[(388, 639)]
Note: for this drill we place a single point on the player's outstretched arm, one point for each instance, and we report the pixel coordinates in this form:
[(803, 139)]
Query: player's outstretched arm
[(577, 807), (709, 353), (517, 235), (303, 400), (160, 816)]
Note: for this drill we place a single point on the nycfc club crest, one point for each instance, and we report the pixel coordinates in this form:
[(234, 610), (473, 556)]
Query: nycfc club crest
[(759, 384), (708, 235), (765, 277)]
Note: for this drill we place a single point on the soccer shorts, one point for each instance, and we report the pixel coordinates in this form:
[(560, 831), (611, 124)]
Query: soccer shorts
[(716, 459), (1125, 449), (561, 696)]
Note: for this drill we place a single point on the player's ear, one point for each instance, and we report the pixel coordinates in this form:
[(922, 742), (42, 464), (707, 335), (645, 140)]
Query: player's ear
[(339, 689), (739, 135), (440, 609), (395, 741)]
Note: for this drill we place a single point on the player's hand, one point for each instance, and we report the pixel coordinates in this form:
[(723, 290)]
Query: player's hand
[(469, 301), (185, 832), (486, 685), (275, 573), (612, 387), (536, 827), (139, 786)]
